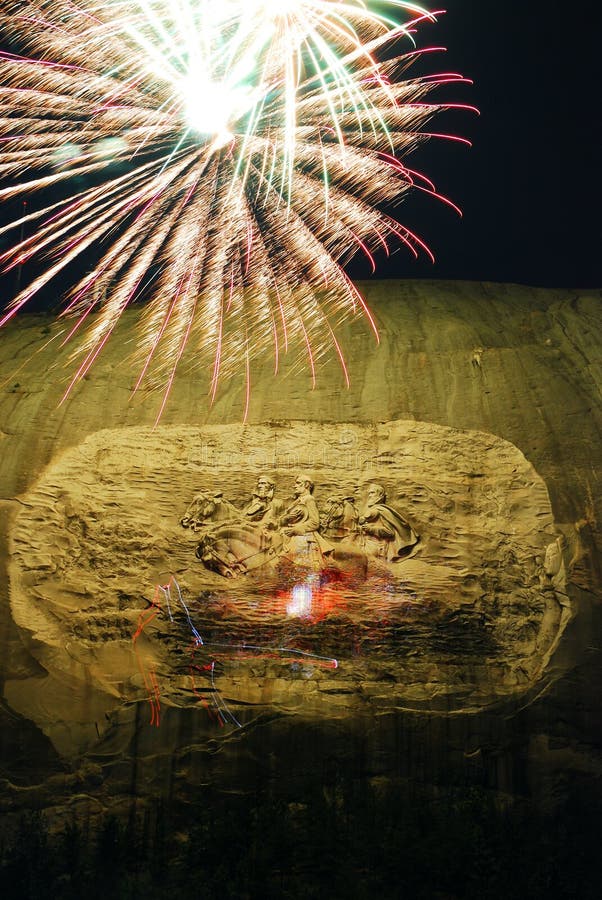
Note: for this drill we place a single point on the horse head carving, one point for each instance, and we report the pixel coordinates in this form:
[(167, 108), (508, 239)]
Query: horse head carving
[(340, 517), (208, 509)]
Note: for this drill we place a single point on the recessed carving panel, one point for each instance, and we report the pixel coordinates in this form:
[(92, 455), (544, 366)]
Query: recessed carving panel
[(461, 609)]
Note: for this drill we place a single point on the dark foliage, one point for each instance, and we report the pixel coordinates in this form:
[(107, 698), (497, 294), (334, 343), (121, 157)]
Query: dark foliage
[(342, 842)]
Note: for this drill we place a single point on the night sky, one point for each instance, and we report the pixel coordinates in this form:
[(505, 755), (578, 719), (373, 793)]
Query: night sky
[(528, 186)]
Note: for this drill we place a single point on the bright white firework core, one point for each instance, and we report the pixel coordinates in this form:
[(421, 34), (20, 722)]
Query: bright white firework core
[(210, 107), (277, 8)]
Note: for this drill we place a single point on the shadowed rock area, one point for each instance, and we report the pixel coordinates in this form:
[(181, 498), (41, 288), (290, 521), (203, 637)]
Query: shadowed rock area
[(475, 659)]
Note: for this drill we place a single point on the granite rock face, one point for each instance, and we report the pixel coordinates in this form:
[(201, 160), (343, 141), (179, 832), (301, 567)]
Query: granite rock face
[(479, 413), (472, 616)]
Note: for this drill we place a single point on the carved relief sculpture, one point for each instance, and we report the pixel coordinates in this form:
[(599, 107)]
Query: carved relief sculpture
[(385, 534), (235, 541)]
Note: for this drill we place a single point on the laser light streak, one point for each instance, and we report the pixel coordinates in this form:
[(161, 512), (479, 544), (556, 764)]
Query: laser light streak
[(168, 600)]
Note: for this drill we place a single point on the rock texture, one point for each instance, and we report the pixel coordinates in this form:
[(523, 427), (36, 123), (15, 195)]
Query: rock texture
[(473, 616), (479, 412)]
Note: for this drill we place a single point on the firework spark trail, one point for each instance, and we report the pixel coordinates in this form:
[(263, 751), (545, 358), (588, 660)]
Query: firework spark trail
[(234, 156)]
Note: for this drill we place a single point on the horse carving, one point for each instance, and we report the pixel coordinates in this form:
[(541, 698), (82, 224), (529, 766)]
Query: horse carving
[(207, 510), (339, 520), (238, 548), (236, 541)]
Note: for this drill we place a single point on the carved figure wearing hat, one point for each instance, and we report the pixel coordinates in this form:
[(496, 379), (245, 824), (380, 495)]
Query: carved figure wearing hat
[(386, 534)]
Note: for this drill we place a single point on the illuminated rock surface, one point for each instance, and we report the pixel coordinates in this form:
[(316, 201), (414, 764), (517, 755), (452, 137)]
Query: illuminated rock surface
[(480, 414), (472, 617)]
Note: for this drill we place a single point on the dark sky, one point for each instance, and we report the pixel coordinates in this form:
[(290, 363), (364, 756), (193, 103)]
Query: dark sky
[(528, 186)]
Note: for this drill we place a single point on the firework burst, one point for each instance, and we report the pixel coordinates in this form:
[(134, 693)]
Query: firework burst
[(222, 160)]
